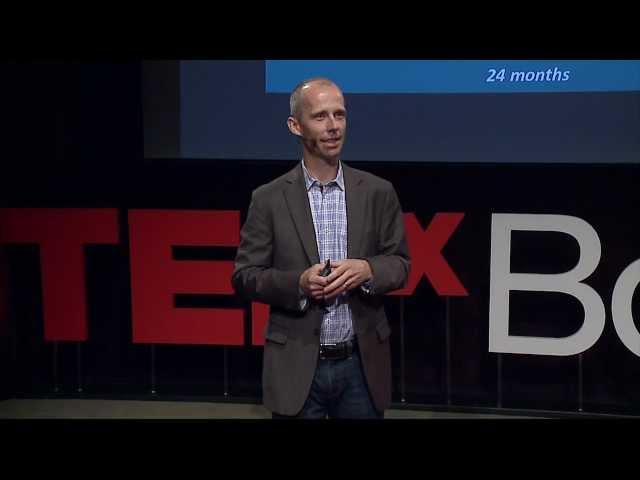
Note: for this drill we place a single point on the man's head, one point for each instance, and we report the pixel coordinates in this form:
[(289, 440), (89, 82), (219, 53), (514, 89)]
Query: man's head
[(319, 118)]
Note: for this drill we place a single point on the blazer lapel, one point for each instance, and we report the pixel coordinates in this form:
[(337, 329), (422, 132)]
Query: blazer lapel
[(355, 199), (298, 202)]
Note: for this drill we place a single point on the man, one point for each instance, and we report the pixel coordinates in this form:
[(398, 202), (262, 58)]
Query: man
[(326, 347)]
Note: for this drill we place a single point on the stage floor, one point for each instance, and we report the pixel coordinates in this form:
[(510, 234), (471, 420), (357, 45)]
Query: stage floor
[(157, 409)]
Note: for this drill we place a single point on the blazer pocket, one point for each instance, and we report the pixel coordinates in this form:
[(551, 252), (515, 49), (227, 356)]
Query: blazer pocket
[(384, 330), (276, 337)]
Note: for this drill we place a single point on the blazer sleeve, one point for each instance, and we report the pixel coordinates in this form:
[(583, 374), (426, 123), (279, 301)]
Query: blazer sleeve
[(254, 277), (391, 265)]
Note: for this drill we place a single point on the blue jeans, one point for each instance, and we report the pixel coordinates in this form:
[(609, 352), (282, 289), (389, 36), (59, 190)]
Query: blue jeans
[(339, 390)]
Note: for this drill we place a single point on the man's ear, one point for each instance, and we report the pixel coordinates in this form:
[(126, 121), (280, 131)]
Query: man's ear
[(294, 126)]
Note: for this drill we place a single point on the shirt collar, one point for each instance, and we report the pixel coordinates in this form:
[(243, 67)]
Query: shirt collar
[(310, 180)]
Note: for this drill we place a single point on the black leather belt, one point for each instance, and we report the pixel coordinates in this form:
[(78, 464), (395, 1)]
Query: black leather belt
[(338, 351)]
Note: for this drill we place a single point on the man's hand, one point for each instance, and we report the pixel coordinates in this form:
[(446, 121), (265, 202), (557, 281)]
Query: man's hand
[(346, 275), (311, 283)]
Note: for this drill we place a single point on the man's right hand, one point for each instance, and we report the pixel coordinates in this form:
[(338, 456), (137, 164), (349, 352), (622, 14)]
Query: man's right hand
[(311, 283)]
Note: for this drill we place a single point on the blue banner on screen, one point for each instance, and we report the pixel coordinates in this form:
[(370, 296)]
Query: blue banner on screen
[(458, 76), (421, 111)]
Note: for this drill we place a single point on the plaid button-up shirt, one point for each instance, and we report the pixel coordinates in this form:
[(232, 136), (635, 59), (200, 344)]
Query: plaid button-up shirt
[(329, 212)]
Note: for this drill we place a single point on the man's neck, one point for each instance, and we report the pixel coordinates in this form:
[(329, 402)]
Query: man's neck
[(322, 169)]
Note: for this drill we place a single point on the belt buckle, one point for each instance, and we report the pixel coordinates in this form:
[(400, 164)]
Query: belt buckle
[(336, 351), (326, 350)]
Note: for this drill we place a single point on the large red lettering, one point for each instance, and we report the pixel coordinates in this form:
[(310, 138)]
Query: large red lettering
[(425, 249), (61, 234), (259, 319), (156, 277)]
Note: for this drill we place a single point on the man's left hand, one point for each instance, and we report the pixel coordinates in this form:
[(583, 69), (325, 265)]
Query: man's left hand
[(346, 275)]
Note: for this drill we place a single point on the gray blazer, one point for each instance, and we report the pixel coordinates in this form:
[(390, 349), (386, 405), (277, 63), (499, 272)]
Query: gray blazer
[(277, 243)]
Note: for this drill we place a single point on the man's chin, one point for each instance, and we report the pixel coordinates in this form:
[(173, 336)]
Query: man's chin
[(332, 156)]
